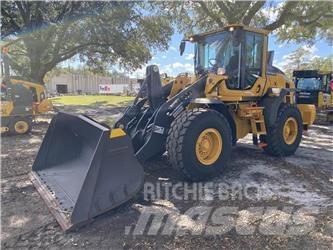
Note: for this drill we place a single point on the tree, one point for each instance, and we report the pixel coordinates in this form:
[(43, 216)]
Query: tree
[(298, 58), (321, 63), (303, 58), (100, 33), (290, 20)]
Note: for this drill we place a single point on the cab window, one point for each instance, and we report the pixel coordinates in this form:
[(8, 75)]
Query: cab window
[(309, 84), (34, 94), (254, 44)]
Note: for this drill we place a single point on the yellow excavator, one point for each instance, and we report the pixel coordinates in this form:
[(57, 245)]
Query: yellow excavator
[(85, 168), (21, 100)]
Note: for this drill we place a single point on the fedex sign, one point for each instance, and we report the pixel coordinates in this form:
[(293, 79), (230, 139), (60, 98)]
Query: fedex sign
[(104, 89)]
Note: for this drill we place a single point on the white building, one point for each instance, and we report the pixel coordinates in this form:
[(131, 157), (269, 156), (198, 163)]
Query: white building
[(90, 84)]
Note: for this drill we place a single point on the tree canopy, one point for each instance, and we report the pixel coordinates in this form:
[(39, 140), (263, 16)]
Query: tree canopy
[(290, 20), (100, 33), (302, 58), (126, 33)]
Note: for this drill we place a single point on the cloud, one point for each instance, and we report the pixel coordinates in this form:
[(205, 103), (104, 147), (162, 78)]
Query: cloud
[(280, 65), (285, 57), (139, 73), (270, 13), (311, 49), (174, 69), (177, 66), (189, 56)]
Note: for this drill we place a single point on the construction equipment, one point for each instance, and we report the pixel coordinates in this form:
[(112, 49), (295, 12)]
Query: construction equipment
[(236, 91), (313, 87), (21, 101), (165, 79)]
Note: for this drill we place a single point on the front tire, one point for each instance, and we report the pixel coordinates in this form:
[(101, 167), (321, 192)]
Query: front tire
[(20, 125), (284, 137), (199, 143)]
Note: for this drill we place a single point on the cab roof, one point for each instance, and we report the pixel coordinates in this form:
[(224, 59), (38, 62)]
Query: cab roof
[(310, 73)]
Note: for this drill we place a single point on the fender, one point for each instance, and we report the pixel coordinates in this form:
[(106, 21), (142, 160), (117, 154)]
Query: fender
[(271, 106), (220, 107)]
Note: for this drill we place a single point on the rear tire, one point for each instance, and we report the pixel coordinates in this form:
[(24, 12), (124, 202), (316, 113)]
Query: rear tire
[(279, 141), (20, 125), (186, 142)]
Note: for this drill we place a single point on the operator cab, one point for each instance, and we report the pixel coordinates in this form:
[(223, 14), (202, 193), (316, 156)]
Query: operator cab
[(236, 51), (310, 84)]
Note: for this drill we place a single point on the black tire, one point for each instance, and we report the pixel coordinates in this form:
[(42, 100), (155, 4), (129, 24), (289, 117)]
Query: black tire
[(182, 137), (15, 120), (276, 145)]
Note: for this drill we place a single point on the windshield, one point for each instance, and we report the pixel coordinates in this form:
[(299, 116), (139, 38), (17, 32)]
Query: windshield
[(222, 50), (216, 51), (238, 52), (308, 83)]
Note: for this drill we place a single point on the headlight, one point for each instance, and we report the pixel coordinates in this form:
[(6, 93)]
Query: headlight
[(276, 91)]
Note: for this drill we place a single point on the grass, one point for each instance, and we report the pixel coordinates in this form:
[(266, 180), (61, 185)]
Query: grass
[(91, 100)]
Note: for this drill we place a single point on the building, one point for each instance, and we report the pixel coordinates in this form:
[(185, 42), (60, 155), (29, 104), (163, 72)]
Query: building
[(91, 84)]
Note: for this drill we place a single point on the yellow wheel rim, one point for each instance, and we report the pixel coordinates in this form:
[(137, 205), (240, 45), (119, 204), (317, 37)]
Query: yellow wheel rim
[(290, 131), (208, 146), (21, 127)]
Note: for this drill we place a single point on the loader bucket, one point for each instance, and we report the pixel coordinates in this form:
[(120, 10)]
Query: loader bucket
[(80, 172)]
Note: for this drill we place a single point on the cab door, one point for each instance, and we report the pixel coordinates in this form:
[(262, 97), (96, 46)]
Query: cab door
[(251, 69)]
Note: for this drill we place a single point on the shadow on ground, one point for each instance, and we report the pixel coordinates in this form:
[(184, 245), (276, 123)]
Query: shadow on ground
[(303, 180)]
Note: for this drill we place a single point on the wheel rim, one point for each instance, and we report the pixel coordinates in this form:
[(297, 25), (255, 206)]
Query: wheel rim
[(21, 127), (208, 146), (290, 131)]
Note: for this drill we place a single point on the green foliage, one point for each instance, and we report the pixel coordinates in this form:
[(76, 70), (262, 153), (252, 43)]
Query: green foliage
[(290, 20), (101, 33), (302, 59)]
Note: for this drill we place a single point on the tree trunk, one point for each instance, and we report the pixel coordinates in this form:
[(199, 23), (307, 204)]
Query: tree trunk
[(37, 69), (35, 77)]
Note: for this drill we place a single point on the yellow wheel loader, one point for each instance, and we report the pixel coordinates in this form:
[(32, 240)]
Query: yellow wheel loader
[(314, 87), (85, 168), (21, 101)]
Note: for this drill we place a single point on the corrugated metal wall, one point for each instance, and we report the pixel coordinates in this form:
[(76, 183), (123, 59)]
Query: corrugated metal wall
[(86, 83)]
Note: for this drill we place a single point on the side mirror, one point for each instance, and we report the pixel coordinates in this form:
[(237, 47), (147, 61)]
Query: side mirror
[(182, 47), (270, 57)]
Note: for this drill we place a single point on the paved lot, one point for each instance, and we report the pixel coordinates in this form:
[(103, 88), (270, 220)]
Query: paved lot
[(287, 185)]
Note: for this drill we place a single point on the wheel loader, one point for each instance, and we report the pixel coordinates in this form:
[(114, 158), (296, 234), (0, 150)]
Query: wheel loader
[(314, 87), (21, 101), (85, 168)]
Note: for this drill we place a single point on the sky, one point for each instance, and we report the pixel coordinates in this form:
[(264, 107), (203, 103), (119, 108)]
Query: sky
[(172, 63)]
